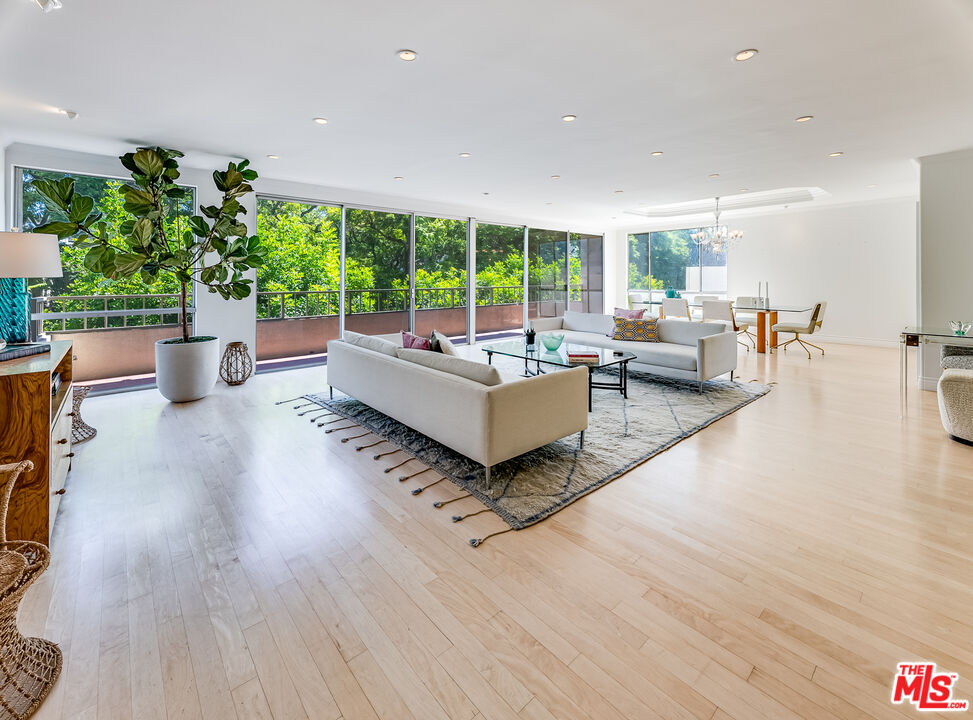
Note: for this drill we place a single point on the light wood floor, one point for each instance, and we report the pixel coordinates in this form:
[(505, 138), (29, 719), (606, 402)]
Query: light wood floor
[(228, 559)]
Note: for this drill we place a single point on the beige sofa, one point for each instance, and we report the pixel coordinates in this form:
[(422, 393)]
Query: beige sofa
[(686, 350), (489, 419)]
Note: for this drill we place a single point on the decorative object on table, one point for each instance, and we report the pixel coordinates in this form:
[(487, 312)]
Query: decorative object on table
[(530, 335), (12, 352), (186, 367), (717, 237), (552, 341), (636, 330), (29, 667), (621, 435), (670, 293), (814, 323), (236, 365), (960, 327), (80, 430), (22, 256)]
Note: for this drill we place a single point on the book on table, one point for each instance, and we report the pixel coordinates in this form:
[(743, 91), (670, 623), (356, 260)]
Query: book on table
[(12, 352)]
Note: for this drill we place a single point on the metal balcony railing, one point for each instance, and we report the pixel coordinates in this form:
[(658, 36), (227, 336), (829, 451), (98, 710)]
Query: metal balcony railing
[(101, 312)]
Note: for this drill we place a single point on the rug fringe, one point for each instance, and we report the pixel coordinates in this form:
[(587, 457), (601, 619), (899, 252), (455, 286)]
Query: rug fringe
[(328, 422), (459, 518), (283, 402), (359, 448), (315, 419), (403, 478), (346, 427), (354, 437), (440, 503), (390, 452), (418, 490), (297, 407), (476, 542), (390, 469)]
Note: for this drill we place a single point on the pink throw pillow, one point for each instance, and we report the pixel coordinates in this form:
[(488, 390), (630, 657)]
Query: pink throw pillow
[(414, 341), (629, 314)]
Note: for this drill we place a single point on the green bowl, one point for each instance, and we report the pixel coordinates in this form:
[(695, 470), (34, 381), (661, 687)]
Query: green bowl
[(553, 341)]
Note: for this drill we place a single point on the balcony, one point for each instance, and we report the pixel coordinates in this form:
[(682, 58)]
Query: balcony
[(114, 336)]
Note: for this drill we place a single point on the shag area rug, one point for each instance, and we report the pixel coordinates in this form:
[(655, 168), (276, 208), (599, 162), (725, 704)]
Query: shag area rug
[(621, 435)]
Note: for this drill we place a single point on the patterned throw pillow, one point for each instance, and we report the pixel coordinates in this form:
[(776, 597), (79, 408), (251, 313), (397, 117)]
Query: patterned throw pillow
[(629, 314), (636, 330)]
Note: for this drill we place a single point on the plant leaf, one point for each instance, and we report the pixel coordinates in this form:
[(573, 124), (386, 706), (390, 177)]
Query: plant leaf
[(81, 207), (61, 229), (149, 162)]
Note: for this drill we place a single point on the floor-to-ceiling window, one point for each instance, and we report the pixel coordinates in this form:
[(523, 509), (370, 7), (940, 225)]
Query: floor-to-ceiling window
[(587, 279), (298, 305), (499, 278), (670, 259), (441, 277), (547, 267), (377, 271), (113, 323)]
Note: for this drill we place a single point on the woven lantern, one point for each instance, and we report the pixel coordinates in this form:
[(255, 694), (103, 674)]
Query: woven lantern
[(236, 365)]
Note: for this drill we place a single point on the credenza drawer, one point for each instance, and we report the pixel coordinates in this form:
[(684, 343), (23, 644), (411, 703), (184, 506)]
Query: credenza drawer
[(60, 459)]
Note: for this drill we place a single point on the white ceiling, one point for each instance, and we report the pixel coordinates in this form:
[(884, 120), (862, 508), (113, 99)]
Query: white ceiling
[(887, 81)]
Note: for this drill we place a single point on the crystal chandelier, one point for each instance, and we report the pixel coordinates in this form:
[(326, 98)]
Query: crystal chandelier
[(717, 237)]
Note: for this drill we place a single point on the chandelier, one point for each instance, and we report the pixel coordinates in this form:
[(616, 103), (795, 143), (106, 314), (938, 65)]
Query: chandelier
[(717, 237)]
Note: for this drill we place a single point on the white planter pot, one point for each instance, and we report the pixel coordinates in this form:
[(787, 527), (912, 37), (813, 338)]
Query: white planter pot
[(187, 371)]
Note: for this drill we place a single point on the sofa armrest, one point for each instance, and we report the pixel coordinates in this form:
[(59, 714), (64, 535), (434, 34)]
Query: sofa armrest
[(526, 414), (716, 355), (546, 324)]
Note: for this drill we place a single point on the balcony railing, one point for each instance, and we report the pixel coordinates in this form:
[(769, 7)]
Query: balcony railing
[(104, 312)]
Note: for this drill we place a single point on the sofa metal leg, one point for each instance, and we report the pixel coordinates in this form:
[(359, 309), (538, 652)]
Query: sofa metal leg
[(487, 476), (700, 387), (581, 444), (331, 391), (731, 376)]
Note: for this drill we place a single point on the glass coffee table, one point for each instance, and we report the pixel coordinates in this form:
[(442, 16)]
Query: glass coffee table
[(538, 355)]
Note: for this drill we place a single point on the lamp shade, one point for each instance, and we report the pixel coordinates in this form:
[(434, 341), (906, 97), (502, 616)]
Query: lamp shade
[(29, 255)]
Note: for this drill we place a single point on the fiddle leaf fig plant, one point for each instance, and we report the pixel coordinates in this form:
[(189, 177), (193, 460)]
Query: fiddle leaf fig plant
[(213, 249)]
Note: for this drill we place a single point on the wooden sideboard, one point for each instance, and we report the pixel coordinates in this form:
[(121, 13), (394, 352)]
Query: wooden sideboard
[(35, 425)]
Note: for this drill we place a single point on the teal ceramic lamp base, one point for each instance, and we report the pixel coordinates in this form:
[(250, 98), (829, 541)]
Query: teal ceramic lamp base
[(14, 310)]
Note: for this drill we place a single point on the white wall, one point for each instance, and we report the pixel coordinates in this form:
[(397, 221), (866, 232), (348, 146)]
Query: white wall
[(860, 258), (945, 248)]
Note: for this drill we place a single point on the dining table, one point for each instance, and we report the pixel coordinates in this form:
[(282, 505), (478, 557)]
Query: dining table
[(766, 318)]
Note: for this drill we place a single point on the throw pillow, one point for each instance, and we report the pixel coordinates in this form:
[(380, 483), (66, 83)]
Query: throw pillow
[(629, 314), (475, 371), (635, 330), (369, 342), (446, 346), (414, 341)]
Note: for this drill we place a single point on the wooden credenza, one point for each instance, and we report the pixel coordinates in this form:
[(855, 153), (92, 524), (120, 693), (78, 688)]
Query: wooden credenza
[(35, 425)]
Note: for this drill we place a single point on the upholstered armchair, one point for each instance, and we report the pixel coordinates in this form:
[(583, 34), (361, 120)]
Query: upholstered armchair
[(813, 325)]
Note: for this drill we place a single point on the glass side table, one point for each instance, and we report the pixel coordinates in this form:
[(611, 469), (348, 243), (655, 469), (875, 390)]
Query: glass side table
[(917, 337)]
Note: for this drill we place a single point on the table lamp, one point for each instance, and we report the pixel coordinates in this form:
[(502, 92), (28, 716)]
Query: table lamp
[(22, 256)]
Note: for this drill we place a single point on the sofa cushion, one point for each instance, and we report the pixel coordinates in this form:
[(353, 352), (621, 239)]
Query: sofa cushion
[(414, 341), (684, 332), (589, 322), (670, 355), (635, 330), (478, 372), (442, 344), (630, 314), (371, 343)]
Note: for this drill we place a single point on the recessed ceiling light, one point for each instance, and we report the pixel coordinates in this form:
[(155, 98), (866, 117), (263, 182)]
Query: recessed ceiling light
[(548, 203), (873, 185), (745, 54), (836, 154), (619, 192), (569, 118), (713, 176), (555, 177), (804, 118), (407, 55), (273, 157), (744, 189), (321, 120), (486, 193), (464, 155), (399, 178), (657, 153)]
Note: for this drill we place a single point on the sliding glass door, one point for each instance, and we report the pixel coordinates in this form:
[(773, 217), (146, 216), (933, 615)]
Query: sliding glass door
[(440, 301), (587, 280), (376, 271), (499, 278), (547, 281)]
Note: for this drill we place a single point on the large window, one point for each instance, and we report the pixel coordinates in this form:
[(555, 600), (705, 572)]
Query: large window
[(91, 300), (441, 277), (301, 279), (586, 266), (499, 278), (377, 249), (547, 283), (670, 258)]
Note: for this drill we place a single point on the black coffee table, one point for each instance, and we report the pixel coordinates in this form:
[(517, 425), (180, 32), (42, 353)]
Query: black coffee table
[(540, 355)]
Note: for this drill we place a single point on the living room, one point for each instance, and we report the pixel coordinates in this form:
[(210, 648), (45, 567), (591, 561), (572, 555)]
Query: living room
[(448, 361)]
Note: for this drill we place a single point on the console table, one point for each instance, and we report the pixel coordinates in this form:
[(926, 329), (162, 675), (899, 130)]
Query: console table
[(35, 425), (917, 337)]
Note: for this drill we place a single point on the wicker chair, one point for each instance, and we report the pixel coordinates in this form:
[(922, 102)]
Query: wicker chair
[(29, 667)]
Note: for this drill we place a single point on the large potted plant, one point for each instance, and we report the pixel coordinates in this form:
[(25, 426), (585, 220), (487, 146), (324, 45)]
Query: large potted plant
[(213, 250)]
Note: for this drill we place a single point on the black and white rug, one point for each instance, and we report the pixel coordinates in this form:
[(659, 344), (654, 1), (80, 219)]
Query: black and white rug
[(621, 435)]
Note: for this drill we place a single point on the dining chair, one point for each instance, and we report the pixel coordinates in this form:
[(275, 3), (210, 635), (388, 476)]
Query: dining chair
[(747, 317), (701, 299), (636, 301), (722, 311), (676, 308), (814, 324)]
